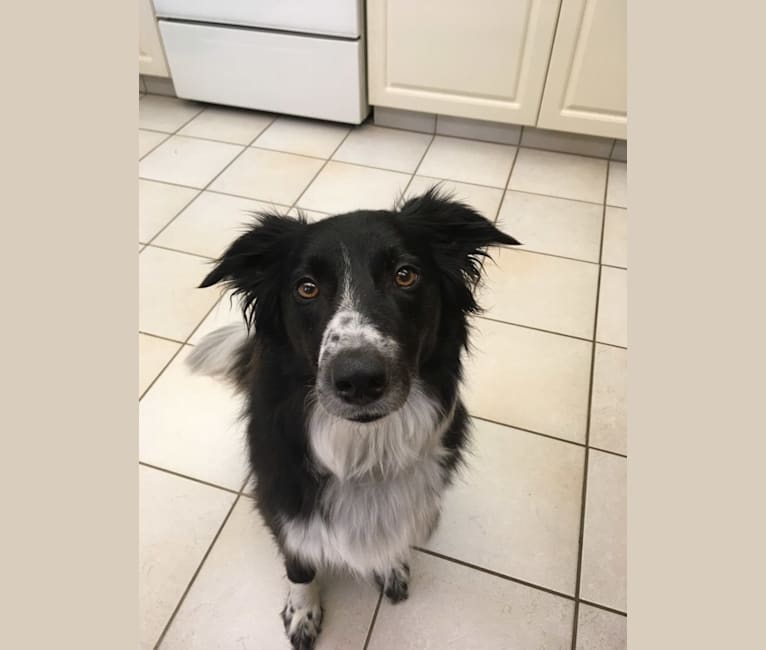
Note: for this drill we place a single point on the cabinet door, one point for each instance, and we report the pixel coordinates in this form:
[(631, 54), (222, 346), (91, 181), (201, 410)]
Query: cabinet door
[(151, 58), (484, 59), (586, 90)]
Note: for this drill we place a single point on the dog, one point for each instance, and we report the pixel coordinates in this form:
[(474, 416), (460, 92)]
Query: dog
[(349, 358)]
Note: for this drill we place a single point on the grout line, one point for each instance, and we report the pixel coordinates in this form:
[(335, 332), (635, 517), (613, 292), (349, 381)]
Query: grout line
[(604, 607), (417, 167), (196, 573), (536, 433), (210, 182), (606, 451), (319, 171), (156, 146), (372, 620), (204, 558), (185, 343), (536, 329), (435, 178), (178, 250), (525, 583), (584, 495), (186, 476), (497, 574), (162, 338), (253, 145), (507, 425)]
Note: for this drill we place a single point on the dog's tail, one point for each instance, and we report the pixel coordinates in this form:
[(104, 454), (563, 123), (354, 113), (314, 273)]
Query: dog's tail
[(219, 353)]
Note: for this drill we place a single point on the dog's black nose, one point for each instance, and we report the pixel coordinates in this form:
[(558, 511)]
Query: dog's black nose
[(359, 376)]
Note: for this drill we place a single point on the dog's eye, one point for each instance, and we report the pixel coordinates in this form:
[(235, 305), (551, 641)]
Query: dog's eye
[(307, 289), (405, 277)]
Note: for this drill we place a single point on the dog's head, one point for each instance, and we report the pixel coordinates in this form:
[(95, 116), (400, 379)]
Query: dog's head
[(362, 297)]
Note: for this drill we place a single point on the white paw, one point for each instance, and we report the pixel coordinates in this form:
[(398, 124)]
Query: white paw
[(302, 615)]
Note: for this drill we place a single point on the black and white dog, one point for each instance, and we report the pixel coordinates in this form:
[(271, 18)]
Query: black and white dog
[(349, 358)]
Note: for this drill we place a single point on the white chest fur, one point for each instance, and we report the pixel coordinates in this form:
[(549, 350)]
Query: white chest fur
[(384, 491)]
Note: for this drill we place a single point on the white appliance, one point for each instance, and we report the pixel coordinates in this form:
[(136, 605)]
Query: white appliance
[(300, 57)]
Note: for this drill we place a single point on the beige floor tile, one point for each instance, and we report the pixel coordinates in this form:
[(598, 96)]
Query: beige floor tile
[(236, 599), (601, 630), (153, 355), (483, 163), (158, 203), (485, 200), (386, 148), (170, 304), (528, 379), (551, 225), (559, 174), (615, 251), (178, 521), (608, 417), (227, 124), (516, 509), (341, 187), (602, 578), (617, 193), (586, 145), (613, 307), (210, 224), (452, 607), (190, 424), (268, 176), (147, 140), (227, 312), (187, 161), (300, 136), (166, 114), (542, 291)]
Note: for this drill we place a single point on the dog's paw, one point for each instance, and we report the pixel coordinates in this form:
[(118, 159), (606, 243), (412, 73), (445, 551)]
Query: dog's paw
[(302, 619), (395, 584)]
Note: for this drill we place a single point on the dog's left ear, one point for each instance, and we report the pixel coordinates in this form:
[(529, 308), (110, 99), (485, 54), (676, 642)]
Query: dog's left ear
[(458, 235)]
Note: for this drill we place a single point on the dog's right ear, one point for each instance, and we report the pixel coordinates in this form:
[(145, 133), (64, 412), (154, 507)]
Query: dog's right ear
[(252, 265)]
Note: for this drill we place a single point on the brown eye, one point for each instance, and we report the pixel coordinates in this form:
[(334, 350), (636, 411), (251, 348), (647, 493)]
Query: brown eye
[(405, 277), (307, 289)]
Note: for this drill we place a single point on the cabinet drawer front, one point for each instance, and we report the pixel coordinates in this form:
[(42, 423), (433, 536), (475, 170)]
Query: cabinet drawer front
[(484, 59), (331, 17), (283, 73), (586, 90)]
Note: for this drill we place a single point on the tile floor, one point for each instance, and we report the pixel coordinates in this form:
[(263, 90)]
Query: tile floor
[(530, 552)]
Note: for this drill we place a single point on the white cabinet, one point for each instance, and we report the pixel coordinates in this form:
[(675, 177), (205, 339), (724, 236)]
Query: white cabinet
[(485, 59), (555, 64), (586, 89), (151, 58)]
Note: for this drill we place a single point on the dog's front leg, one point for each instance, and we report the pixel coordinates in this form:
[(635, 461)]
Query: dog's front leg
[(395, 582), (302, 615)]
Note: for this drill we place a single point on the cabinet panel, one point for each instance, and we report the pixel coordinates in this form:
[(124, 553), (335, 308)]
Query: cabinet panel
[(586, 89), (485, 59), (151, 58)]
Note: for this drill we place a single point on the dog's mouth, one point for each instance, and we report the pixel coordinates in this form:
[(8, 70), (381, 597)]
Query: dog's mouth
[(365, 418)]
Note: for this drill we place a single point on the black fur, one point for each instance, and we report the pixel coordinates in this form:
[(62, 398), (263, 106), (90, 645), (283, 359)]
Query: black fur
[(277, 367)]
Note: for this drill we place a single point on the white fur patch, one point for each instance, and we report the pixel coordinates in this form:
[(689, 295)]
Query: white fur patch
[(348, 328), (384, 494), (303, 609)]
